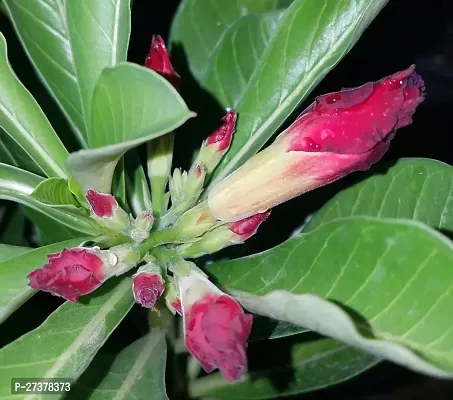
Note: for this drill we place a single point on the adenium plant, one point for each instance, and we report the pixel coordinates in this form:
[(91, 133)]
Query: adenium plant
[(121, 224)]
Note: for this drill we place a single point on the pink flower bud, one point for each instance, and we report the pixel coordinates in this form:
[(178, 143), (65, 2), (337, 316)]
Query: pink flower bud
[(106, 210), (147, 288), (247, 227), (158, 60), (69, 274), (103, 205), (339, 133), (220, 139), (215, 326)]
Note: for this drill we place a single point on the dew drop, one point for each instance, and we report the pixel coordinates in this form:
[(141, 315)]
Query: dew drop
[(333, 98), (417, 179), (308, 144)]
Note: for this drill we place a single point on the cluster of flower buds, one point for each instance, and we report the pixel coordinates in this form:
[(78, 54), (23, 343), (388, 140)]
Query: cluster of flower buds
[(339, 133), (107, 212), (186, 187)]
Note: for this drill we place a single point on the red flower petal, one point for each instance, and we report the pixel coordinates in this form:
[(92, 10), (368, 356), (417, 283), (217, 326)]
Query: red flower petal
[(147, 288), (353, 121), (222, 136), (216, 330), (69, 274), (158, 60)]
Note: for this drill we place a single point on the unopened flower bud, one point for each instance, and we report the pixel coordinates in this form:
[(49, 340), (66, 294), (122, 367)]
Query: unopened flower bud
[(215, 326), (142, 225), (105, 209), (172, 299), (73, 272), (223, 236), (148, 285), (186, 188), (158, 60), (217, 143), (339, 133)]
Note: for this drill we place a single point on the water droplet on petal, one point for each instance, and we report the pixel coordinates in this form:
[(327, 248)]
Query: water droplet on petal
[(308, 144), (333, 98)]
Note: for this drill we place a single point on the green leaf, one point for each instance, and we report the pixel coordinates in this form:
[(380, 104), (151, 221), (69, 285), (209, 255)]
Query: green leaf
[(98, 37), (43, 30), (202, 27), (16, 263), (413, 188), (244, 43), (138, 188), (131, 105), (138, 372), (23, 120), (8, 251), (18, 185), (49, 230), (382, 285), (55, 192), (310, 366), (64, 345), (12, 224), (310, 39)]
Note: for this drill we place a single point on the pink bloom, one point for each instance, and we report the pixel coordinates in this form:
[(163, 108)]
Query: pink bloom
[(339, 133), (147, 288), (247, 227), (69, 274), (102, 205), (158, 60), (220, 139), (215, 327)]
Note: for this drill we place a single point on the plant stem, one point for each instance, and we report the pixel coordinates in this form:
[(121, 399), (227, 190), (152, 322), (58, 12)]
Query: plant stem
[(158, 238), (160, 156)]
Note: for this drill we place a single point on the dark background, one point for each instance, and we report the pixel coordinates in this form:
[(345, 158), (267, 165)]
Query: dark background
[(405, 32)]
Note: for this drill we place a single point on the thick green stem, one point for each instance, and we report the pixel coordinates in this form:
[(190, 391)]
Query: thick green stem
[(158, 238)]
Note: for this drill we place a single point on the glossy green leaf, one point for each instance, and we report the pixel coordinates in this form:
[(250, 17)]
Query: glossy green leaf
[(138, 188), (413, 188), (119, 185), (138, 372), (13, 224), (64, 345), (98, 37), (244, 43), (13, 154), (43, 30), (16, 263), (310, 39), (131, 105), (23, 120), (48, 230), (382, 285), (8, 251), (18, 185), (310, 366), (201, 27), (55, 192)]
